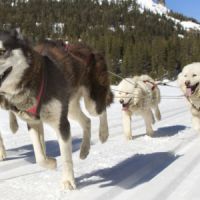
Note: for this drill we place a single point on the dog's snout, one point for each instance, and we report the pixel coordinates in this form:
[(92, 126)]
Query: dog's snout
[(121, 101), (187, 83)]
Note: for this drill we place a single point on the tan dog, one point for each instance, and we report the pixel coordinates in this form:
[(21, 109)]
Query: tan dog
[(138, 95), (189, 82)]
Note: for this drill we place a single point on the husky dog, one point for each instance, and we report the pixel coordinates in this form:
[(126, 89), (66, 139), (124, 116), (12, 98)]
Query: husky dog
[(138, 95), (189, 82), (39, 89), (91, 86)]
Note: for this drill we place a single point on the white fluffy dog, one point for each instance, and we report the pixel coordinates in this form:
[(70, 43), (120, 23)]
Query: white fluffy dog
[(2, 149), (138, 95), (189, 82)]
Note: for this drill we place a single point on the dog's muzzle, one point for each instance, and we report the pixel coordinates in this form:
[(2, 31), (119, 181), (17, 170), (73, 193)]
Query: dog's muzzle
[(4, 75), (125, 106)]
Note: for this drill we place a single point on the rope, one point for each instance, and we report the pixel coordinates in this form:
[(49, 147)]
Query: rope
[(159, 83)]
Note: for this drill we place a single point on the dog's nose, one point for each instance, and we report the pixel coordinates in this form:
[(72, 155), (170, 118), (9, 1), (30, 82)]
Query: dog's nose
[(121, 101), (187, 83)]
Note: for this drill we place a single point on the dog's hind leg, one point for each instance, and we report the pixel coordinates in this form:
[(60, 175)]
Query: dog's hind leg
[(103, 127), (36, 133), (157, 113), (2, 149), (91, 108), (75, 113), (147, 115), (152, 117), (13, 122)]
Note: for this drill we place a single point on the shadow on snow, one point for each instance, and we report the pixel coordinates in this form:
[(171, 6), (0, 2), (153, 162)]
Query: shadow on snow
[(52, 150), (169, 131), (129, 173)]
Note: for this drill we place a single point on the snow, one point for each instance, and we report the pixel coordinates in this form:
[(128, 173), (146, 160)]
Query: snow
[(166, 166), (152, 6), (188, 25)]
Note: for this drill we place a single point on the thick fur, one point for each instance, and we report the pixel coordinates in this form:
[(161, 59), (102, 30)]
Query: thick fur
[(91, 82), (138, 95), (189, 82), (64, 75)]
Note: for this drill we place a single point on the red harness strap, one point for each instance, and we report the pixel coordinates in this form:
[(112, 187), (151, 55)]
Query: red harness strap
[(34, 109), (154, 85)]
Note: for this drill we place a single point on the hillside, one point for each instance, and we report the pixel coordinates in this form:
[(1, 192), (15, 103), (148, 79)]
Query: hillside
[(186, 22)]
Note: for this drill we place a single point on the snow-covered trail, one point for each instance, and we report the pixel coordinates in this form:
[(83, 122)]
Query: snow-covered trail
[(166, 166)]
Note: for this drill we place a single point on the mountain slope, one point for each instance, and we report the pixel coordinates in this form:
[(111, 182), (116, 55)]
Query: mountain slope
[(162, 10)]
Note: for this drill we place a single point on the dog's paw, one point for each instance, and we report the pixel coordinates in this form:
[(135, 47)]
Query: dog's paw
[(150, 133), (49, 163), (84, 151), (68, 185), (103, 137), (2, 153), (129, 137)]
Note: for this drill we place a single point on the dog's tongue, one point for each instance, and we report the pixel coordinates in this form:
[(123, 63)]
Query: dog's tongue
[(188, 92), (125, 108)]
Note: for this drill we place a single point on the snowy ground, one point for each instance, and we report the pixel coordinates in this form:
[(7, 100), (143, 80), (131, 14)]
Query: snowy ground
[(166, 166)]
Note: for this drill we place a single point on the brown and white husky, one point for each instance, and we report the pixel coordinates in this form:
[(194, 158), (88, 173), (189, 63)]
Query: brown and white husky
[(47, 88)]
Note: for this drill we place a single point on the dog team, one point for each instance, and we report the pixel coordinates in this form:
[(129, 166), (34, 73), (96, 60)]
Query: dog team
[(44, 84)]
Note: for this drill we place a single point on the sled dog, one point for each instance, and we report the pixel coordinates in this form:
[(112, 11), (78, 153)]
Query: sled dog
[(189, 82), (40, 88), (138, 95)]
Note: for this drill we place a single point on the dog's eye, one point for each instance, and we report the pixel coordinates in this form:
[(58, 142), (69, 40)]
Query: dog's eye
[(185, 75), (2, 52), (193, 75)]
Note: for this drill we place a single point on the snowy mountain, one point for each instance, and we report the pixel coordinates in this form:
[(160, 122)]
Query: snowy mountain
[(152, 6), (163, 10)]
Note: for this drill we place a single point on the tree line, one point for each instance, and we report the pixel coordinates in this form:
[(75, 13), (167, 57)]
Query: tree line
[(133, 42)]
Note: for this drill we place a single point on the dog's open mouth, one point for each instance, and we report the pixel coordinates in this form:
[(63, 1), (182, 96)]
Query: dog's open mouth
[(125, 106), (190, 90), (4, 75)]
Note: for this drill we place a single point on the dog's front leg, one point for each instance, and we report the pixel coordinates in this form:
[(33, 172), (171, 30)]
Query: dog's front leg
[(2, 149), (103, 127), (36, 132), (13, 122), (147, 115), (126, 119), (196, 122)]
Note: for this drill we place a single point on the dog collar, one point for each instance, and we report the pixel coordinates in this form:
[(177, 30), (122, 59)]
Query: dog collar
[(34, 110)]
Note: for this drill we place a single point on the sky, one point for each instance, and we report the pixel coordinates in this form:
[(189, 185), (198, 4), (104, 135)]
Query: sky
[(190, 8)]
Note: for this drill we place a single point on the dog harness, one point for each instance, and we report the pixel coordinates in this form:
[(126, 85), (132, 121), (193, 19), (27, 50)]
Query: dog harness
[(154, 85), (34, 110), (198, 109)]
